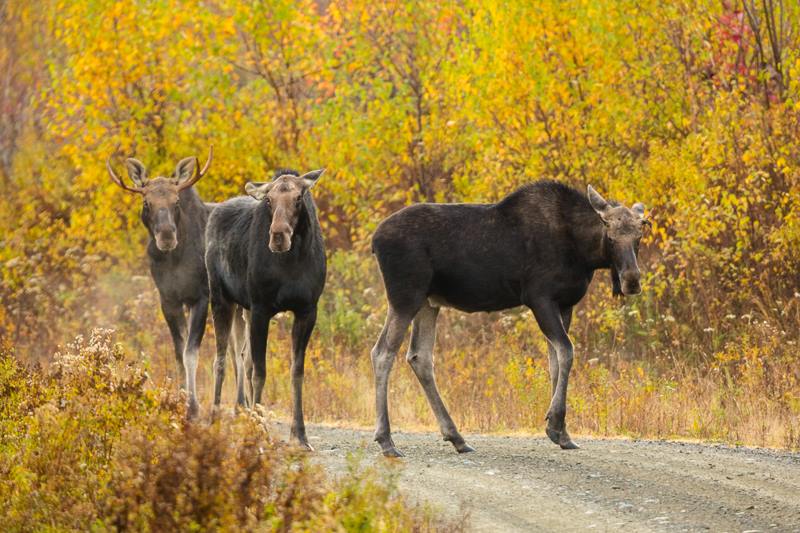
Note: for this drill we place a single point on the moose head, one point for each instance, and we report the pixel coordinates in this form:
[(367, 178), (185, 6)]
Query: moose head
[(623, 231), (161, 209), (283, 196)]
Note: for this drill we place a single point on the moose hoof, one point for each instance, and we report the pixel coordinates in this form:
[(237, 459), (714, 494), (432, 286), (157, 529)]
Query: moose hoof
[(304, 445), (459, 444), (192, 410), (465, 448), (569, 444), (216, 413), (393, 453), (562, 438), (299, 439), (388, 449)]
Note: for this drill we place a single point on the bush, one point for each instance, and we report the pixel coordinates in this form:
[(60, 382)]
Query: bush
[(91, 445)]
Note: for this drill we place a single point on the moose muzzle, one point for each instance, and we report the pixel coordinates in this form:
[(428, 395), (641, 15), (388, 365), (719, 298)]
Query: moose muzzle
[(280, 237), (630, 282), (165, 232)]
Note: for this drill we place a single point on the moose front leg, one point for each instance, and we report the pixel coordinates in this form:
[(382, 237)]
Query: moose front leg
[(548, 316), (301, 333), (176, 321), (259, 332), (197, 328), (566, 319)]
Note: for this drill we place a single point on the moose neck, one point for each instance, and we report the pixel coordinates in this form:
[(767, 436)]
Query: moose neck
[(590, 236), (305, 228)]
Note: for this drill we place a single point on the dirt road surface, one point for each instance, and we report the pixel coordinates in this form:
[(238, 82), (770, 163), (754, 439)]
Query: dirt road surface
[(529, 484)]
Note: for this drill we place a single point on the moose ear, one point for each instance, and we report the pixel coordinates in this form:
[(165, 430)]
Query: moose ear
[(136, 171), (310, 178), (257, 189), (597, 202), (638, 208), (185, 169)]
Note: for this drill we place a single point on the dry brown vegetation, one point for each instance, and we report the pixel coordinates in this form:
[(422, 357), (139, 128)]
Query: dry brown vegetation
[(90, 445)]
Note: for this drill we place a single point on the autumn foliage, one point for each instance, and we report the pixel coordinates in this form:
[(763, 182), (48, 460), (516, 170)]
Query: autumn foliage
[(692, 107)]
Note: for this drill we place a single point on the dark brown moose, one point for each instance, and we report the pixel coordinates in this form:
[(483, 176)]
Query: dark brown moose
[(266, 253), (539, 247), (175, 218)]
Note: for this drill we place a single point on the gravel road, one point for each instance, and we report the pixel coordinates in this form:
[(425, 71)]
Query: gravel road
[(528, 484)]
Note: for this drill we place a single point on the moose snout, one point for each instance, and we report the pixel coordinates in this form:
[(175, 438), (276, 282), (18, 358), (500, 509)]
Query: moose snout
[(166, 241), (280, 238), (630, 284)]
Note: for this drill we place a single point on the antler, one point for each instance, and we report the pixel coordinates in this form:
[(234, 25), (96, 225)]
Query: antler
[(118, 181), (198, 173)]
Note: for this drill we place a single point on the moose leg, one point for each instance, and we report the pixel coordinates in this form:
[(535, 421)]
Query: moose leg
[(176, 321), (249, 372), (383, 355), (197, 328), (235, 350), (246, 360), (259, 331), (222, 314), (566, 319), (548, 316), (301, 333), (420, 357)]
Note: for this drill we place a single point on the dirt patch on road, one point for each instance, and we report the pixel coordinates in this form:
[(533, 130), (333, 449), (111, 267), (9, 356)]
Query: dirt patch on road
[(528, 484)]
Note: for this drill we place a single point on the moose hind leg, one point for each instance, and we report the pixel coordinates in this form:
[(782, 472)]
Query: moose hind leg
[(301, 333), (246, 359), (222, 314), (236, 347), (383, 355), (420, 357)]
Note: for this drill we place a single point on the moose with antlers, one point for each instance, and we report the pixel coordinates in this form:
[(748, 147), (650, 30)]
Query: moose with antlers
[(176, 218)]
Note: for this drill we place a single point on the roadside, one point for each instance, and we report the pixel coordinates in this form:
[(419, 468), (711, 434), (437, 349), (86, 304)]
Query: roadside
[(528, 484)]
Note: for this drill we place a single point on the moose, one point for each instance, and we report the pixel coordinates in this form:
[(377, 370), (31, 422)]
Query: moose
[(265, 253), (538, 247), (175, 218)]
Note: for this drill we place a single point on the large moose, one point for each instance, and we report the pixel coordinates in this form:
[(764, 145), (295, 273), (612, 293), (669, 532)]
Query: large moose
[(175, 218), (539, 247), (265, 253)]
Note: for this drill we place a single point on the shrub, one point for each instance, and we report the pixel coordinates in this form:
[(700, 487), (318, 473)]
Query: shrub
[(90, 444)]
